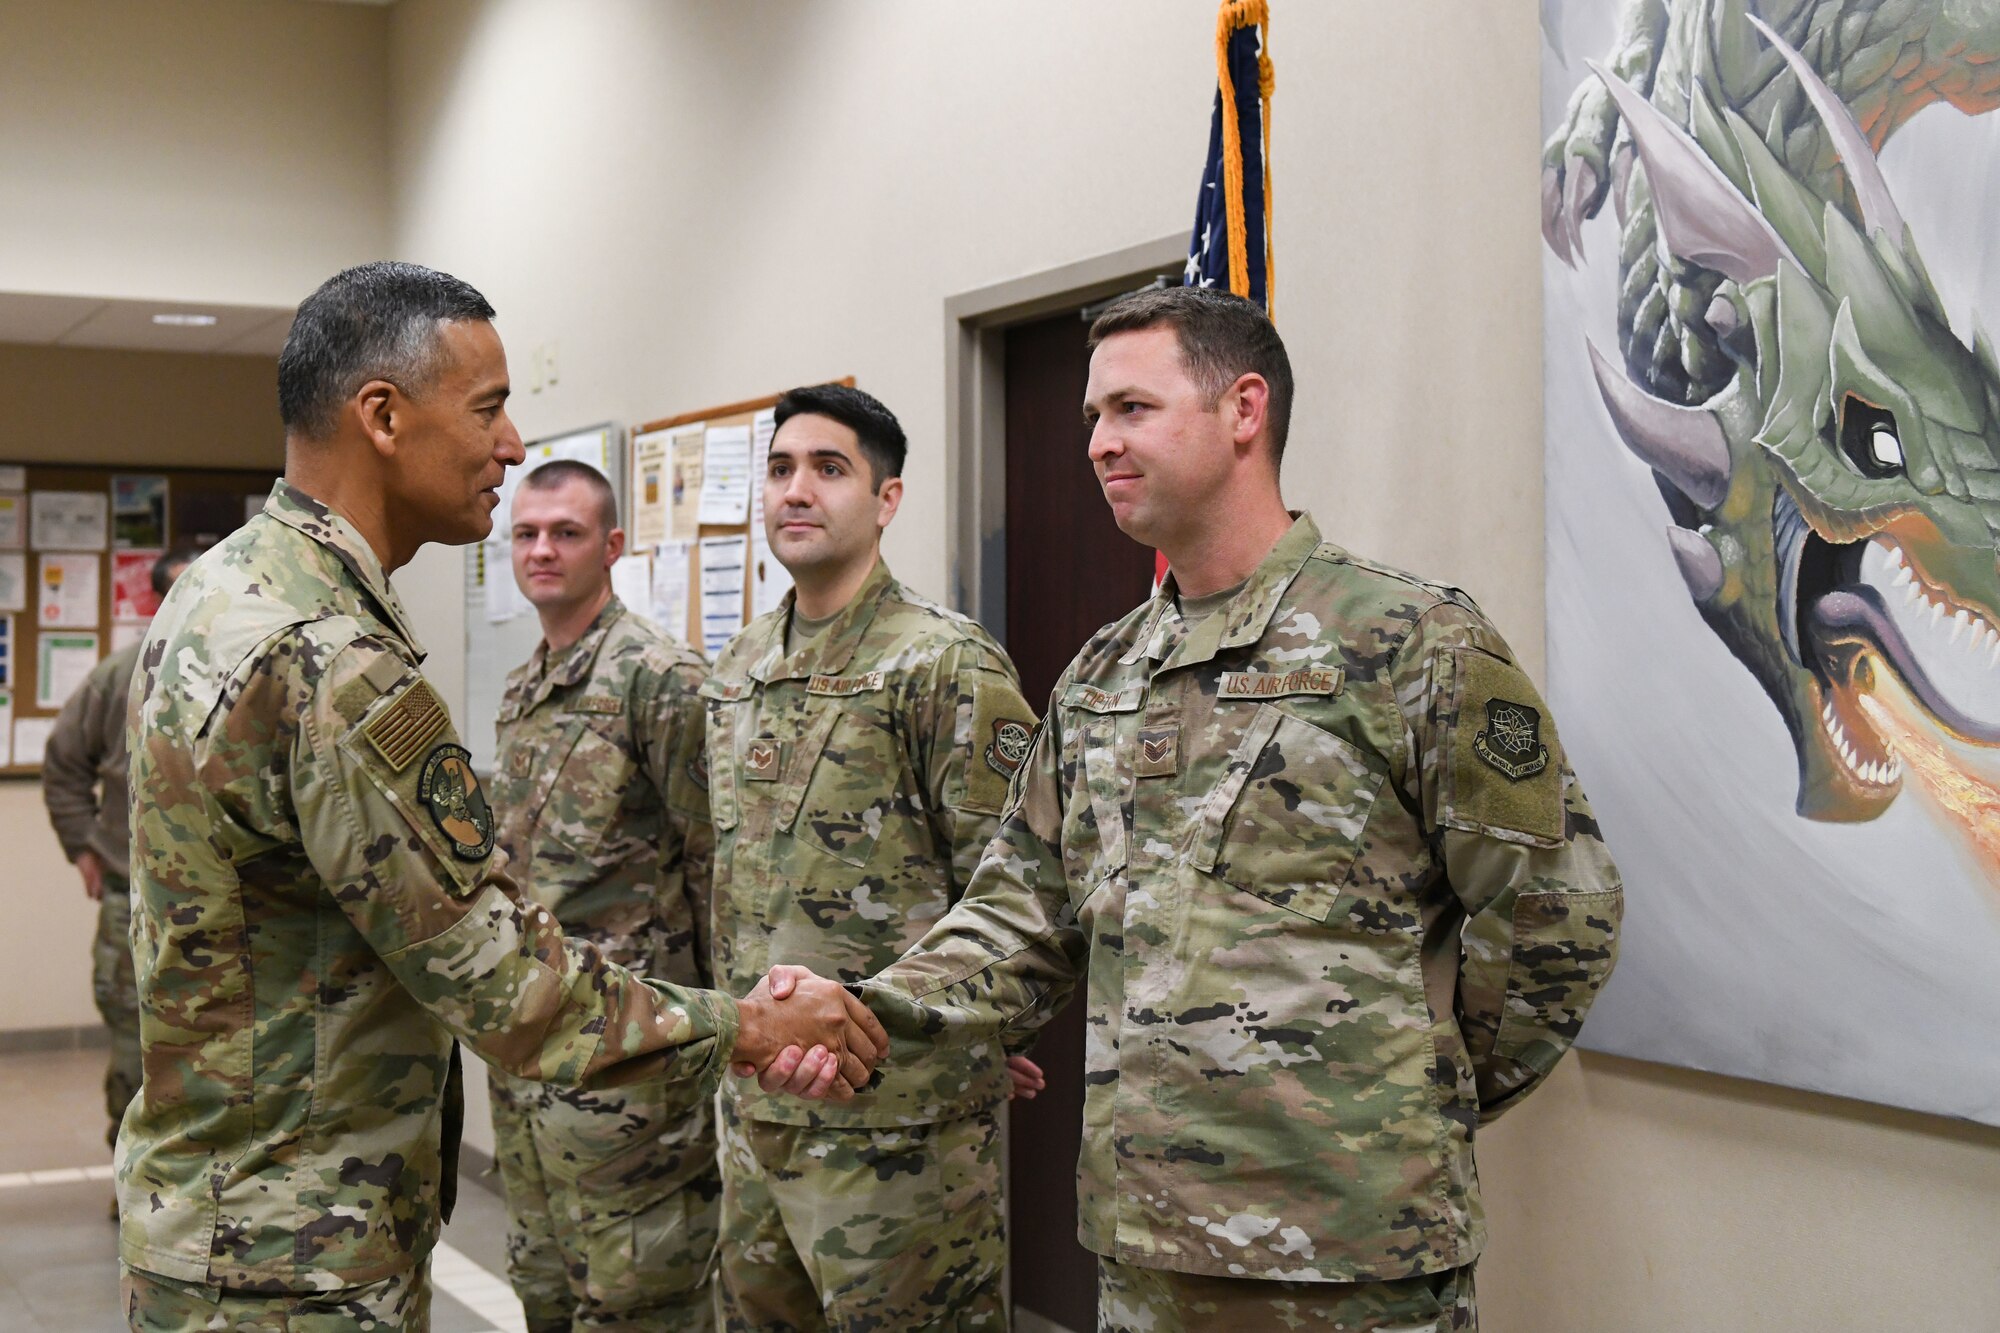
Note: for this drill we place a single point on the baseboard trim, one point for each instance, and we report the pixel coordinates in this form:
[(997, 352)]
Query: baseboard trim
[(39, 1041)]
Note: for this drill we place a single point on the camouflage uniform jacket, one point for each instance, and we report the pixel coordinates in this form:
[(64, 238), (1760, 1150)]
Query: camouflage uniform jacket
[(599, 810), (83, 771), (317, 912), (1336, 899), (853, 787)]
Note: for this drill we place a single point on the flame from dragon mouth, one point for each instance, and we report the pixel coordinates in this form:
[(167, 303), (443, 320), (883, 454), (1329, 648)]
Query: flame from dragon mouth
[(1965, 790)]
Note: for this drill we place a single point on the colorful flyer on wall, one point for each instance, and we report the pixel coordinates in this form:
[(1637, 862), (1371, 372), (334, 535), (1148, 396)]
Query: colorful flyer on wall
[(67, 591), (684, 486), (649, 489), (132, 595), (13, 521), (13, 580), (62, 661), (138, 511), (68, 520)]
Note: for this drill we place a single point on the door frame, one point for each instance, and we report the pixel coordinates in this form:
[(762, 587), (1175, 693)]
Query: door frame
[(975, 431)]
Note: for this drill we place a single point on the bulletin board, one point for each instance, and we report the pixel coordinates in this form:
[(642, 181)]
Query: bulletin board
[(77, 546), (690, 497)]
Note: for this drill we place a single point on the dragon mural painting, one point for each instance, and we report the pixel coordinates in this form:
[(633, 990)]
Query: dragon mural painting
[(1825, 443)]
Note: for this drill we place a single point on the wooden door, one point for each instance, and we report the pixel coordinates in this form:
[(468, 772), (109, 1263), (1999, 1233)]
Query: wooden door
[(1069, 572)]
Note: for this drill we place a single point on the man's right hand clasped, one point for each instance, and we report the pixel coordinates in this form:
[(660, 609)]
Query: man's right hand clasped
[(802, 1034)]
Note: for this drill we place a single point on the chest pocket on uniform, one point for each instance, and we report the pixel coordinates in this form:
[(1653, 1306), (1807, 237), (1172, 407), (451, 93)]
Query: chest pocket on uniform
[(724, 700), (850, 775), (593, 779), (1286, 820), (1097, 772)]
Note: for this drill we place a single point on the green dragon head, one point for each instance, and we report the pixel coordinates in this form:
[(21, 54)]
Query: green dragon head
[(1837, 505)]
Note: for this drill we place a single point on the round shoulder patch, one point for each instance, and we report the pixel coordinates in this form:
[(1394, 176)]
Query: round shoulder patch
[(1009, 746), (450, 791)]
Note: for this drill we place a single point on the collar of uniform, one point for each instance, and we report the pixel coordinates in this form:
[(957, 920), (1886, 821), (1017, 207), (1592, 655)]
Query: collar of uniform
[(573, 663), (1246, 616), (299, 511), (833, 647)]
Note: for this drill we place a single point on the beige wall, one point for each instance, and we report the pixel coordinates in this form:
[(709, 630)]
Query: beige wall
[(142, 409), (229, 151), (204, 150)]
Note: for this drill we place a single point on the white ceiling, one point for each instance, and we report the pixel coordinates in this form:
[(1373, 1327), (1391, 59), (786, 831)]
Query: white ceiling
[(85, 321)]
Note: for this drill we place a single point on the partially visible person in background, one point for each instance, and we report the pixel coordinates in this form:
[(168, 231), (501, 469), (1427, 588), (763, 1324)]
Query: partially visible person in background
[(83, 785), (613, 1194)]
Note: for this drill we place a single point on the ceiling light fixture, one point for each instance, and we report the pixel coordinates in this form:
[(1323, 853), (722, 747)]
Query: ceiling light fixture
[(182, 320)]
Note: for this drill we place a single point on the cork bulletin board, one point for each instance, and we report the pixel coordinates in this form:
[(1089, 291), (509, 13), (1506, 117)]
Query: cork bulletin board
[(77, 546)]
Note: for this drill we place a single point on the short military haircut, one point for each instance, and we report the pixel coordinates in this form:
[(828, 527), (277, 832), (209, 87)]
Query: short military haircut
[(561, 471), (377, 321), (875, 426), (1222, 338), (169, 566)]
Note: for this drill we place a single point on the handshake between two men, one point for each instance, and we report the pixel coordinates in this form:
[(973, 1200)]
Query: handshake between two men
[(801, 1034)]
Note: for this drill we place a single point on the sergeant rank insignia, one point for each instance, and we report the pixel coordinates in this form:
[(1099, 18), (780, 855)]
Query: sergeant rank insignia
[(760, 760), (1512, 741), (450, 790)]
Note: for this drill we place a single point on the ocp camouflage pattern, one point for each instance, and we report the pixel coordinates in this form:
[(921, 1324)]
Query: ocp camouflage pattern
[(613, 1195), (853, 793), (309, 939), (1322, 938)]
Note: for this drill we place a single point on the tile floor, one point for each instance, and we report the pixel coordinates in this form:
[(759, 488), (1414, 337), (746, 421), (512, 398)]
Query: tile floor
[(58, 1246)]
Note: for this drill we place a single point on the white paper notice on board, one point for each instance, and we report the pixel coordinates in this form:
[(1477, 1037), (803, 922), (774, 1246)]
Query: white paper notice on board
[(723, 562), (13, 521), (31, 738), (126, 633), (632, 582), (6, 727), (762, 427), (13, 580), (69, 520), (684, 489), (67, 591), (62, 661), (669, 609), (13, 477), (725, 474), (651, 488)]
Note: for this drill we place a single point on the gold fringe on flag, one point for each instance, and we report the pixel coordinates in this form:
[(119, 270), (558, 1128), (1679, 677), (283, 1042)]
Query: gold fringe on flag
[(1236, 14)]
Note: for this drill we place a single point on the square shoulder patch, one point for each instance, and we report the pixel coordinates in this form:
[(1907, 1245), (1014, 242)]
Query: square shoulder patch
[(1505, 769), (400, 732), (1002, 727)]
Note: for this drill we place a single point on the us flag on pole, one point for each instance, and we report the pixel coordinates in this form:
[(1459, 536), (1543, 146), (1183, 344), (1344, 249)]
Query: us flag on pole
[(1209, 247)]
